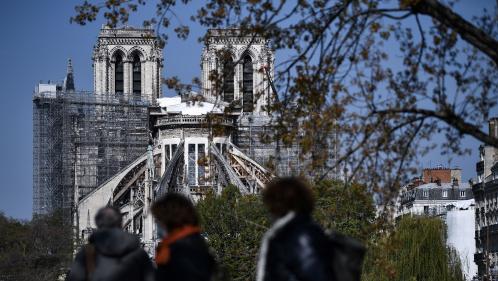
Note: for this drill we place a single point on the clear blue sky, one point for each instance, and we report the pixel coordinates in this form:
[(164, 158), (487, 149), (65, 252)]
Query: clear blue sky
[(37, 40)]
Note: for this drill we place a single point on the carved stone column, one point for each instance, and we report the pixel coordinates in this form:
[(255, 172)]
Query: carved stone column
[(105, 83), (127, 77), (112, 77), (147, 80)]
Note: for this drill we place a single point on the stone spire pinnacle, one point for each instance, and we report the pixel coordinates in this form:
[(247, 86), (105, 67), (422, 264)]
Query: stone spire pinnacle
[(69, 66), (69, 80), (88, 224)]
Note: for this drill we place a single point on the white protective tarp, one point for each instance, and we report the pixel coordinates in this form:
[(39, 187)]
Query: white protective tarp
[(461, 230), (175, 104)]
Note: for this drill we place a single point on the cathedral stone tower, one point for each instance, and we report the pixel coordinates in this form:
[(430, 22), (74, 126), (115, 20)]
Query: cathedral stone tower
[(240, 60), (128, 60)]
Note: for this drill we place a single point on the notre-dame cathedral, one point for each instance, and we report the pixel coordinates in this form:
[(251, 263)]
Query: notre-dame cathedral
[(124, 144)]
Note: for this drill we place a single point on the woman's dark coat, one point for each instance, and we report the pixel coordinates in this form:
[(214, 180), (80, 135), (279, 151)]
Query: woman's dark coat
[(190, 260)]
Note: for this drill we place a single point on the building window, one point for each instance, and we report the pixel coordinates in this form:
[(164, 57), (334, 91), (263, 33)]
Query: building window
[(168, 152), (445, 193), (191, 164), (426, 193), (202, 162), (118, 74), (247, 81), (462, 193), (228, 78), (137, 75)]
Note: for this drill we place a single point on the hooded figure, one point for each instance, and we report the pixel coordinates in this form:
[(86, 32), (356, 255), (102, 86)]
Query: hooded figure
[(111, 254)]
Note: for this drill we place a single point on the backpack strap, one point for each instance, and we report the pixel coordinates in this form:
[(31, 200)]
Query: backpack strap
[(90, 257)]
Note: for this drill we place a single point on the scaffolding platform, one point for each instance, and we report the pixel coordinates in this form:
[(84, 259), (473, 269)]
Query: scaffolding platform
[(80, 140)]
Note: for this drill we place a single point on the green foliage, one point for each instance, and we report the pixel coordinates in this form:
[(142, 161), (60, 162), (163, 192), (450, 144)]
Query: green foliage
[(415, 250), (234, 225), (40, 249), (347, 209)]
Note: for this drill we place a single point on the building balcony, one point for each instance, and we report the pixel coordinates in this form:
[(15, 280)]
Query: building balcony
[(181, 120)]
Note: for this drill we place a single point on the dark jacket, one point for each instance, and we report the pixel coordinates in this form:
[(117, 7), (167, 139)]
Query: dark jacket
[(118, 256), (189, 260), (297, 250)]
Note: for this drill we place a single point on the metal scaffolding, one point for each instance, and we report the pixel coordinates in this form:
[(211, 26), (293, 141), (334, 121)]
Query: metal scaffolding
[(80, 140), (252, 131), (255, 136)]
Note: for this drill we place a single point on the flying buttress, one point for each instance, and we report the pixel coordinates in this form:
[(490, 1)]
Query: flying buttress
[(171, 181)]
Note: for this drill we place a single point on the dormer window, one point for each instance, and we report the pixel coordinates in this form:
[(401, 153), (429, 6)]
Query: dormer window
[(462, 193)]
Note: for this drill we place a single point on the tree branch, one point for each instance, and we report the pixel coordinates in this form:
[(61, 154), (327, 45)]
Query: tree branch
[(469, 32), (450, 118)]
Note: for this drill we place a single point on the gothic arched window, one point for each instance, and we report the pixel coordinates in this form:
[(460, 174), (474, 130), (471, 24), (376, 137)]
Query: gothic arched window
[(137, 75), (118, 74), (247, 90), (228, 78)]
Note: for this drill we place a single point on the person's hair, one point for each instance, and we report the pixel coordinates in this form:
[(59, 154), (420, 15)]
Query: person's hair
[(108, 217), (283, 195), (174, 211)]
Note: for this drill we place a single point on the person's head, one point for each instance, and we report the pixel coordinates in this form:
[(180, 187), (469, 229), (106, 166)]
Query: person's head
[(283, 195), (174, 211), (108, 217)]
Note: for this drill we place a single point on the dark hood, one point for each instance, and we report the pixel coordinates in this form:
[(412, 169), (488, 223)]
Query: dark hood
[(114, 242)]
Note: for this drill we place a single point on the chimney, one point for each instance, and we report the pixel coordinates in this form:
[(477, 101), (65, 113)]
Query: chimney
[(493, 127), (455, 182), (456, 173)]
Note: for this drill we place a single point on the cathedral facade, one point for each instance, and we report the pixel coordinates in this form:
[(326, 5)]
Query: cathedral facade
[(124, 144), (128, 60)]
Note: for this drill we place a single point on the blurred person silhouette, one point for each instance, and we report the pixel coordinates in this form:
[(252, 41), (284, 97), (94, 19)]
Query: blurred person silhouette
[(111, 253), (295, 247), (183, 253)]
